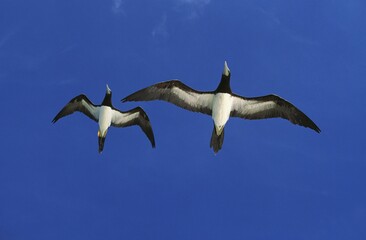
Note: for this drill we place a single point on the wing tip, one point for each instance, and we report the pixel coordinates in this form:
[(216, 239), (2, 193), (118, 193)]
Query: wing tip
[(150, 135), (129, 98), (313, 126), (54, 120), (147, 128), (317, 129)]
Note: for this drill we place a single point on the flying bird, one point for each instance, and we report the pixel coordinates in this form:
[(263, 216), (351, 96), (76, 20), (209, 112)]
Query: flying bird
[(222, 104), (106, 115)]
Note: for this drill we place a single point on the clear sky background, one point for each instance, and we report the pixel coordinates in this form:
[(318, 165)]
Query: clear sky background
[(271, 180)]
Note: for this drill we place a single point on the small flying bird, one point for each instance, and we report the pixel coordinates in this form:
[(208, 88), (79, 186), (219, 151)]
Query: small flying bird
[(106, 115), (222, 104)]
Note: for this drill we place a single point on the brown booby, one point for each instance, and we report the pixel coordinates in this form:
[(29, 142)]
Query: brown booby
[(106, 115), (222, 104)]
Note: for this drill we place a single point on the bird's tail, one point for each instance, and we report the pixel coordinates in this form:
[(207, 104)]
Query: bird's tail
[(101, 143), (217, 140)]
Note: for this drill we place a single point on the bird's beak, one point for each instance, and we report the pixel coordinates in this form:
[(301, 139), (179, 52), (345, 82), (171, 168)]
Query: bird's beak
[(108, 89), (226, 71)]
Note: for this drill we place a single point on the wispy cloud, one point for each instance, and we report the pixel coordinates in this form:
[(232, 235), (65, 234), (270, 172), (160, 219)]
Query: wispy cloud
[(188, 10), (270, 16), (303, 40), (198, 2), (192, 8), (161, 30), (117, 7), (274, 21)]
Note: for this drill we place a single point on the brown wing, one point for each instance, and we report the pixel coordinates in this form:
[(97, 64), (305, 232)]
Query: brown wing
[(136, 116), (270, 106), (177, 93), (81, 104)]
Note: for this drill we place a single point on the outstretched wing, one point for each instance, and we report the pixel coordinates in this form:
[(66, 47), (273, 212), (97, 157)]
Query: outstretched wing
[(177, 93), (136, 116), (82, 104), (270, 106)]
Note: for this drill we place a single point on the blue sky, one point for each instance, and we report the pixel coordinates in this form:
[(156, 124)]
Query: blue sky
[(271, 180)]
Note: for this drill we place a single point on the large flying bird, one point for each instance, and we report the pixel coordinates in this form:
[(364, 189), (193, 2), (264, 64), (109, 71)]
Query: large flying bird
[(222, 104)]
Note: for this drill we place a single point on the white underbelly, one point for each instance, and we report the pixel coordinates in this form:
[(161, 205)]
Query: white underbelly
[(221, 108), (105, 117)]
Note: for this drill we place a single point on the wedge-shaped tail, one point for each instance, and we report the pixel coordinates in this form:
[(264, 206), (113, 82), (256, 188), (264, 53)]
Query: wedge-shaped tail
[(217, 140), (101, 144)]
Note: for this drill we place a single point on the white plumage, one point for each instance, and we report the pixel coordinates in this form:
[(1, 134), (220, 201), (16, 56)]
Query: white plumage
[(221, 108)]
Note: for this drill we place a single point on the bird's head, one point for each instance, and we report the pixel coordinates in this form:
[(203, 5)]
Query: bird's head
[(107, 101), (224, 85), (226, 71), (108, 91)]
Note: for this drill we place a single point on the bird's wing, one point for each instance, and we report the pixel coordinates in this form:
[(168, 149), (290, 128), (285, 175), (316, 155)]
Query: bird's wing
[(82, 104), (136, 116), (177, 93), (270, 106)]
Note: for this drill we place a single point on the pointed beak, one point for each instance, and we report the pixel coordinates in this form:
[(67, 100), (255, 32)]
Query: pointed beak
[(108, 89), (226, 71)]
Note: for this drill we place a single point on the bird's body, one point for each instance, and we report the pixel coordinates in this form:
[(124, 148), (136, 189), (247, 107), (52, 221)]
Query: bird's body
[(222, 104), (221, 108), (105, 119), (106, 115)]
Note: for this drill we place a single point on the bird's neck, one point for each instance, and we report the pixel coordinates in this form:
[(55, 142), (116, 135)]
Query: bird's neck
[(224, 85), (107, 101)]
